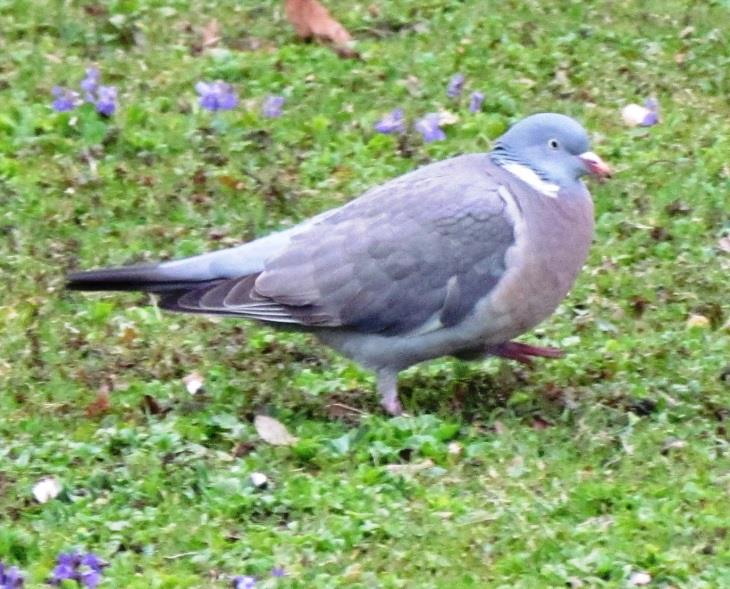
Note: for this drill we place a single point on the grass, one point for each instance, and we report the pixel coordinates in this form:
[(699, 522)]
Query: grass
[(580, 472)]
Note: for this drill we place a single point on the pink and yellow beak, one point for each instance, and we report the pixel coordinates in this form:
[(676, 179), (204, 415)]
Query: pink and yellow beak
[(595, 165)]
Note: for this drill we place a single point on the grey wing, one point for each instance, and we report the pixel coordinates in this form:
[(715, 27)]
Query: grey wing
[(417, 252)]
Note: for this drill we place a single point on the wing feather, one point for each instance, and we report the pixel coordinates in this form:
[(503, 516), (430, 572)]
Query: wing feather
[(429, 244)]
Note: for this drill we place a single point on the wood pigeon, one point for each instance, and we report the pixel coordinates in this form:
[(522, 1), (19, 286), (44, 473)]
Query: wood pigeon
[(455, 258)]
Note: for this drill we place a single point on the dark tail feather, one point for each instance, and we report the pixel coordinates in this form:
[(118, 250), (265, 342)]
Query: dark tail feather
[(135, 278)]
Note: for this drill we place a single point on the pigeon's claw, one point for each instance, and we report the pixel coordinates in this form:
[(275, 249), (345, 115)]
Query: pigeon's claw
[(388, 390)]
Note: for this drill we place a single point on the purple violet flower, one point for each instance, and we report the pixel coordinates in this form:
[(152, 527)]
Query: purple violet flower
[(106, 100), (85, 569), (62, 572), (652, 117), (429, 128), (90, 83), (90, 579), (475, 101), (65, 99), (455, 86), (393, 122), (278, 572), (92, 561), (272, 107), (244, 582), (216, 95), (11, 578)]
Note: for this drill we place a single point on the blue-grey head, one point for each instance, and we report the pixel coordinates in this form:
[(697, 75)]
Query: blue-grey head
[(554, 146)]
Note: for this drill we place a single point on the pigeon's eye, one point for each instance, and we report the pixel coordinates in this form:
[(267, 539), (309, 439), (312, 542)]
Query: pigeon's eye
[(553, 143)]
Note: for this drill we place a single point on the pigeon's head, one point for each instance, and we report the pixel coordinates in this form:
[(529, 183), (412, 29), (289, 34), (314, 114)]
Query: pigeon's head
[(553, 146)]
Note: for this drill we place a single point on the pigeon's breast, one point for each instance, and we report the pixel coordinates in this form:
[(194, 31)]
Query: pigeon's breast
[(553, 236)]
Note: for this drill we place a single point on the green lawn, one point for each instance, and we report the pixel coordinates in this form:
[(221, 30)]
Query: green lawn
[(580, 472)]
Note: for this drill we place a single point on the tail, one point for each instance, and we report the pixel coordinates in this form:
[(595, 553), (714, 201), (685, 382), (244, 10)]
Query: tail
[(149, 278), (187, 273)]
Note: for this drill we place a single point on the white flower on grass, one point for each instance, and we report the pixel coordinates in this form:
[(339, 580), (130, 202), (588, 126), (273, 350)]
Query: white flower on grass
[(46, 489)]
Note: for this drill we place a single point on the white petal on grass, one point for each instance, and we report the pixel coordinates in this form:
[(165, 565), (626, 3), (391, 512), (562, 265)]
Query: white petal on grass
[(635, 115), (273, 431), (193, 382), (639, 579), (259, 479), (46, 489), (454, 448)]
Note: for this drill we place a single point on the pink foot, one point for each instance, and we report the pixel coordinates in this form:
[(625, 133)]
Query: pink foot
[(392, 406), (522, 352)]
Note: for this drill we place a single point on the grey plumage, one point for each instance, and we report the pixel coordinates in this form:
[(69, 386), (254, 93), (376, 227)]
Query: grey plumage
[(452, 258)]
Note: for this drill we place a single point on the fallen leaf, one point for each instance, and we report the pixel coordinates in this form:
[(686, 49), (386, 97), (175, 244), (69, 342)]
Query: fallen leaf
[(211, 34), (447, 118), (539, 423), (243, 449), (273, 431), (342, 411), (100, 404), (697, 320), (46, 489), (311, 19), (193, 382), (152, 406), (127, 334), (409, 469), (672, 444), (97, 10), (352, 573)]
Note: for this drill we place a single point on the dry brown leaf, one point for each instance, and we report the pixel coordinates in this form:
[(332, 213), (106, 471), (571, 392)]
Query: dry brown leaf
[(409, 469), (342, 411), (696, 320), (311, 19), (499, 427), (210, 34), (273, 432), (539, 423), (127, 334), (152, 406), (100, 404)]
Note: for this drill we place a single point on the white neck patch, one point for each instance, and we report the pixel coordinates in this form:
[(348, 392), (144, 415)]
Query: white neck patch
[(529, 177)]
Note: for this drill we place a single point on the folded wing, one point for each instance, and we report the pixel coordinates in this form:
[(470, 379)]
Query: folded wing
[(415, 253)]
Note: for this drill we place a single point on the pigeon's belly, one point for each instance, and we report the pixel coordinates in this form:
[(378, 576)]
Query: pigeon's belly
[(542, 268)]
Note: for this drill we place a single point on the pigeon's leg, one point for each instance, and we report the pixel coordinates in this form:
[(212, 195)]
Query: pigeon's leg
[(388, 391), (522, 352)]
